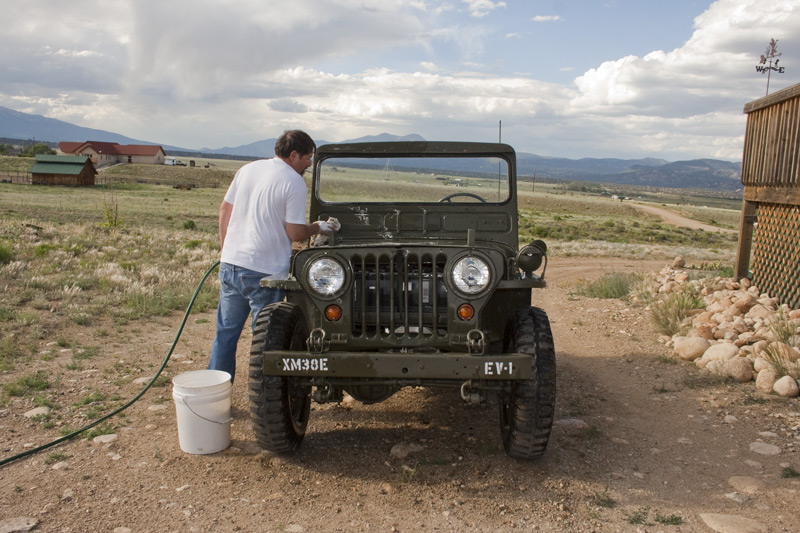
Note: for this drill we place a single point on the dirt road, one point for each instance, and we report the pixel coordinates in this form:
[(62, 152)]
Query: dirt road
[(641, 443), (670, 217)]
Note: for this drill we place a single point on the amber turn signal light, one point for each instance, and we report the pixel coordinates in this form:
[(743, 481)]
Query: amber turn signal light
[(333, 312), (466, 312)]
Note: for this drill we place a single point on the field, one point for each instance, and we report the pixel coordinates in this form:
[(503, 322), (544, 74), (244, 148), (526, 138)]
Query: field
[(103, 256), (94, 284)]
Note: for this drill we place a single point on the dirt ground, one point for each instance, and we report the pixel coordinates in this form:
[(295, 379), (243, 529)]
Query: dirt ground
[(671, 217), (641, 443)]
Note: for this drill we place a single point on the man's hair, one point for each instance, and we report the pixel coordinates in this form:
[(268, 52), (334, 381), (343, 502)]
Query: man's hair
[(294, 140)]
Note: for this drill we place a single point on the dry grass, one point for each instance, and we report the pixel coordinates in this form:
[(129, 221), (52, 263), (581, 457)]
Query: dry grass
[(63, 275), (78, 263)]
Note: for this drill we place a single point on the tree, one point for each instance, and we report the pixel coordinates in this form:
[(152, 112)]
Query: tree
[(38, 148)]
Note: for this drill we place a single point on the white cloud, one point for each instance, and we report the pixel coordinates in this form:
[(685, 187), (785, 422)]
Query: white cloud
[(707, 73), (694, 95), (209, 74), (481, 8), (546, 18)]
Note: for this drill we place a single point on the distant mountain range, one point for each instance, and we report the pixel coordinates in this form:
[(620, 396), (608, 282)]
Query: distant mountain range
[(695, 174)]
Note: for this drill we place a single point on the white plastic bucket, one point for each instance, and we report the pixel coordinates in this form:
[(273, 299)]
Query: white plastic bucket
[(203, 407)]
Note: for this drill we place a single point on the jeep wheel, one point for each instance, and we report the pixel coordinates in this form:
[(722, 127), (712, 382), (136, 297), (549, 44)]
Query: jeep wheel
[(279, 406), (526, 413)]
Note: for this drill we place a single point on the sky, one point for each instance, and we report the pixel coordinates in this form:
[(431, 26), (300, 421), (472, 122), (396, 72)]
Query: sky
[(559, 78)]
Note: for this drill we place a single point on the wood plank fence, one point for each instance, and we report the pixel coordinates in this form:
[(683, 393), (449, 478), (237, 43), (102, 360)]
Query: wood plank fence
[(770, 225), (23, 178)]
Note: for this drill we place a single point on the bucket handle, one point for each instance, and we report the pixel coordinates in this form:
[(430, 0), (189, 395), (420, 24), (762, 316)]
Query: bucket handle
[(186, 403)]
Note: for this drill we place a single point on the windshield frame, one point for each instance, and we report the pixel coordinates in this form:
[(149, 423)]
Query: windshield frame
[(397, 151)]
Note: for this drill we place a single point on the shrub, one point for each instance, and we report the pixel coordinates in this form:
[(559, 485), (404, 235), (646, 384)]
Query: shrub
[(5, 254), (189, 224), (783, 331), (41, 250), (28, 384), (612, 285), (670, 312)]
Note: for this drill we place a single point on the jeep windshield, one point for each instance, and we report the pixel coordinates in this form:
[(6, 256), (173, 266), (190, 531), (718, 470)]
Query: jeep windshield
[(412, 179)]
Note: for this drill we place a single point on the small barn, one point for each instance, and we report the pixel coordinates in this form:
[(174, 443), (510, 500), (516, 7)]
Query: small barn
[(70, 170), (769, 234)]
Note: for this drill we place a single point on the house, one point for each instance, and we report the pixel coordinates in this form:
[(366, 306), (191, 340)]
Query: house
[(770, 225), (104, 153), (70, 170)]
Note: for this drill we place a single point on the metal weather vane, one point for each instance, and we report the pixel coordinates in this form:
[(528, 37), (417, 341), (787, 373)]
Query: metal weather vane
[(770, 55)]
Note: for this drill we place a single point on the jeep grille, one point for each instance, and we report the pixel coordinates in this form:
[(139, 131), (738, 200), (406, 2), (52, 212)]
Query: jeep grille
[(399, 294)]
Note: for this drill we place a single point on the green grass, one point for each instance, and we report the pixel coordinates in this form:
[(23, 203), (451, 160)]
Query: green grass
[(638, 517), (55, 457), (604, 500), (671, 520), (103, 428), (611, 285), (90, 398), (6, 254), (25, 385), (789, 473)]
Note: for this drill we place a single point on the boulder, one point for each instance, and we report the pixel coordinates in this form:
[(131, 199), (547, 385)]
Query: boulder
[(678, 262), (758, 311), (703, 317), (782, 351), (704, 331), (721, 352), (690, 348), (759, 346), (717, 368), (762, 363), (739, 368), (786, 387), (766, 380), (744, 303)]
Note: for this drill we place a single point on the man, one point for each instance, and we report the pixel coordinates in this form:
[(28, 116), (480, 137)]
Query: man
[(263, 211)]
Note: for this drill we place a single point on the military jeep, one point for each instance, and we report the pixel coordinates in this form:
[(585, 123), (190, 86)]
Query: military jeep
[(423, 285)]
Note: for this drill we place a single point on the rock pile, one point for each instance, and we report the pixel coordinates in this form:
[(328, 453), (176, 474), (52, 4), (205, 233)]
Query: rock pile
[(736, 334)]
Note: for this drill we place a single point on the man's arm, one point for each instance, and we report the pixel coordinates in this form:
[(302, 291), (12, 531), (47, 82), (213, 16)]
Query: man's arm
[(301, 232), (225, 210)]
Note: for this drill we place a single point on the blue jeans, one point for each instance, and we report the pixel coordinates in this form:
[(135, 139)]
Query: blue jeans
[(240, 294)]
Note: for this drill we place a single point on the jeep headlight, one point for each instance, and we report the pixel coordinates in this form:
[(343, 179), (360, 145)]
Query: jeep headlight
[(471, 275), (326, 276)]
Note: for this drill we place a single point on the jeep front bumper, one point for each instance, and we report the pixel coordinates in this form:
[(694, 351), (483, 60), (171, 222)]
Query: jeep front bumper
[(343, 365)]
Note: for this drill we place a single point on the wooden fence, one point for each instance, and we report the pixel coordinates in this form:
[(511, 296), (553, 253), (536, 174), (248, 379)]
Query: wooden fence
[(770, 226), (23, 178), (105, 179)]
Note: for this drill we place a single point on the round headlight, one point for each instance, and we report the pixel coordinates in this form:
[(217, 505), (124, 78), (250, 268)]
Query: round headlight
[(326, 276), (471, 275)]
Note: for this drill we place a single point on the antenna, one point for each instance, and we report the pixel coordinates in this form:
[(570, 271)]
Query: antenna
[(499, 164)]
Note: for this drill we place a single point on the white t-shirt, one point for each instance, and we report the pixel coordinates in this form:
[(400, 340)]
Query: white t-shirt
[(265, 195)]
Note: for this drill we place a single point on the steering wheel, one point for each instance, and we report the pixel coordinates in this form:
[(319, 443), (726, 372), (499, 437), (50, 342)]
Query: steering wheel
[(456, 194)]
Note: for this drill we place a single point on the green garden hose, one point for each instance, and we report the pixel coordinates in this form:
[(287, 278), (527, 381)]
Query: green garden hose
[(150, 384)]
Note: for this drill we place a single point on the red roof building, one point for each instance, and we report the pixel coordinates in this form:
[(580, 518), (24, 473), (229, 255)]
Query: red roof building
[(103, 154)]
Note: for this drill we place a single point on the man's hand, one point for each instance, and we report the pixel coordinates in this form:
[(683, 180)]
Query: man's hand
[(330, 225)]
